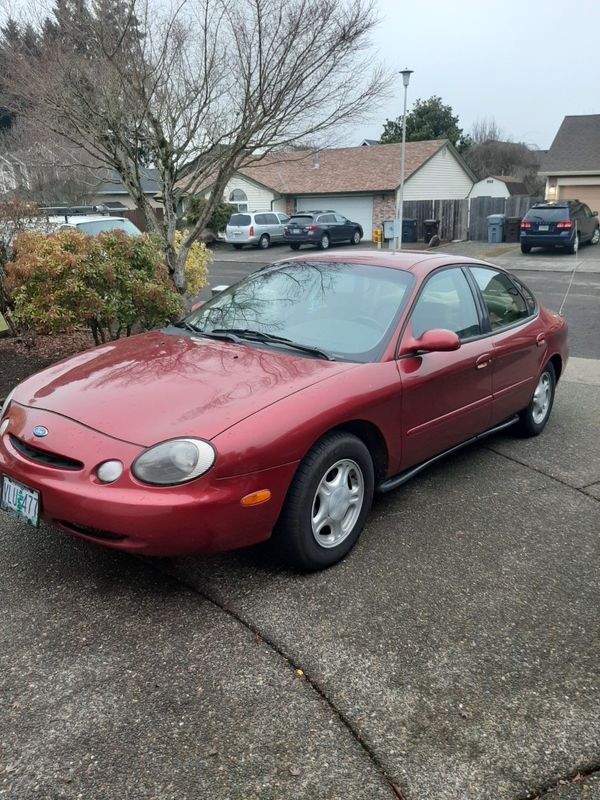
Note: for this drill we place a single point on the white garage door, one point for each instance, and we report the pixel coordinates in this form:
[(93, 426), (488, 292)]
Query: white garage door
[(357, 209)]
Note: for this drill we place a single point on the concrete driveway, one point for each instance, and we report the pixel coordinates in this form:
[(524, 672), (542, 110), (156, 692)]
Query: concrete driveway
[(452, 656)]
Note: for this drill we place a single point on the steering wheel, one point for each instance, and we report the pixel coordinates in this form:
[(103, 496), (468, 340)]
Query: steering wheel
[(371, 323)]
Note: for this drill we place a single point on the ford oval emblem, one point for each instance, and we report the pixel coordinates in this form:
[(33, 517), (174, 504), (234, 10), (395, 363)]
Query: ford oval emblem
[(40, 431)]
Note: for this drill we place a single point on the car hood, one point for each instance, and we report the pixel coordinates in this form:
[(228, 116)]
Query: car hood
[(161, 385)]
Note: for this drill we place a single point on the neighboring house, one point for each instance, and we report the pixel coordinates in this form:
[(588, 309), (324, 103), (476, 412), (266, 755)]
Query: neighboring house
[(361, 183), (369, 142), (13, 175), (113, 191), (572, 165), (498, 186)]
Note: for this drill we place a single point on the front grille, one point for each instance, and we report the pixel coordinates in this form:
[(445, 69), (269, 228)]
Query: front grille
[(93, 532), (44, 456)]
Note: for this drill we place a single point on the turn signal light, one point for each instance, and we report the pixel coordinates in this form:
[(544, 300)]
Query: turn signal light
[(256, 498)]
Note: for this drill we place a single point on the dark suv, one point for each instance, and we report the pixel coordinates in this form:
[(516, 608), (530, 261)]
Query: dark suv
[(566, 223), (321, 228)]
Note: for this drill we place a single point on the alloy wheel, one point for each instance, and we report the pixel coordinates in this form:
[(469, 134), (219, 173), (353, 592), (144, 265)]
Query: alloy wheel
[(337, 503)]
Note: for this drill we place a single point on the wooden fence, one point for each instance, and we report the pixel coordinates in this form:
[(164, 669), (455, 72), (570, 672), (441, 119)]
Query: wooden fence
[(482, 207), (452, 214)]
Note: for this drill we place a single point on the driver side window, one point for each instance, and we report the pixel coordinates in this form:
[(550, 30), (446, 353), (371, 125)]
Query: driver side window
[(446, 302)]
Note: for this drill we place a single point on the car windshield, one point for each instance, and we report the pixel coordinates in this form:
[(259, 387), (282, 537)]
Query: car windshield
[(548, 214), (94, 227), (348, 311), (240, 219)]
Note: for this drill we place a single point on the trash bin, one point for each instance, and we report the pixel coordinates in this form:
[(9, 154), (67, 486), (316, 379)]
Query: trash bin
[(512, 229), (409, 230), (430, 228), (495, 228)]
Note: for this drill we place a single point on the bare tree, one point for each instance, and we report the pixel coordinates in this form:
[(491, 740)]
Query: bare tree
[(202, 89)]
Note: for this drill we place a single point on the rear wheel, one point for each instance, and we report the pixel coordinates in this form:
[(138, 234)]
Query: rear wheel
[(264, 241), (325, 242), (355, 237), (533, 419), (525, 248), (328, 502), (595, 237), (295, 246)]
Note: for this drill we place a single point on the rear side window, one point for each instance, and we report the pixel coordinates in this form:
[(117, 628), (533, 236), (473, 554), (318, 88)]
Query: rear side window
[(503, 300), (240, 219), (261, 219), (326, 218), (103, 225), (298, 219), (547, 214)]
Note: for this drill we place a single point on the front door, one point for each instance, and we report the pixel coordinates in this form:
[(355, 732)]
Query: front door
[(446, 397)]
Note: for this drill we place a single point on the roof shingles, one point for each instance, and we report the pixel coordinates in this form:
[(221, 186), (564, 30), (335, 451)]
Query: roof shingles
[(576, 146)]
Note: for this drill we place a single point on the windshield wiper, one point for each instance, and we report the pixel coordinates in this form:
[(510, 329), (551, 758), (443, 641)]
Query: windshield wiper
[(258, 336), (183, 323)]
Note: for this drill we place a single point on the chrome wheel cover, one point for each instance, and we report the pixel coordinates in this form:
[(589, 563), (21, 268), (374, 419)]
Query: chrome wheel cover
[(337, 503), (541, 399)]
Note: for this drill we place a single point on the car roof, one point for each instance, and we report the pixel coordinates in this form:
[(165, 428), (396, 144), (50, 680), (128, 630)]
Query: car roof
[(73, 219), (419, 262)]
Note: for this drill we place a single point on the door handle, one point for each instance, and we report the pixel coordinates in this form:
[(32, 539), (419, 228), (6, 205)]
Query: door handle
[(541, 340), (483, 361)]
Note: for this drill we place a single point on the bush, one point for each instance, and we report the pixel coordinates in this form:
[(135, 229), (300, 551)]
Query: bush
[(197, 262), (112, 283), (217, 220)]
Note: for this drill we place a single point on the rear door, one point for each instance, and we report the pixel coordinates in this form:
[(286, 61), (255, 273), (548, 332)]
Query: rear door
[(518, 340), (327, 223), (446, 397), (275, 227)]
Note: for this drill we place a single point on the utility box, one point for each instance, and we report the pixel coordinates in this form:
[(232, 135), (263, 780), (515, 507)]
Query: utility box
[(388, 229), (495, 228), (512, 229), (430, 229), (409, 230)]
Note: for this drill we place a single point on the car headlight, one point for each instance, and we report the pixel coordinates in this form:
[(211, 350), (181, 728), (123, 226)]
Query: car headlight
[(175, 461), (6, 403)]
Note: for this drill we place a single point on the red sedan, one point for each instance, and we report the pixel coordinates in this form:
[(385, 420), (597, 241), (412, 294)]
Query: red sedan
[(281, 405)]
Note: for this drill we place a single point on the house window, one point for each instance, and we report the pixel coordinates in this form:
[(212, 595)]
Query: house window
[(238, 199)]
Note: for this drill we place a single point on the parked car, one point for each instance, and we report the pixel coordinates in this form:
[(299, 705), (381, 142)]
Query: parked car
[(258, 228), (567, 224), (321, 228), (93, 225), (280, 405)]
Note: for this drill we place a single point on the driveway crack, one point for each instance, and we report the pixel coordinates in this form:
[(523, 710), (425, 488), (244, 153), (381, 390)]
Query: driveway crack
[(576, 776), (580, 489), (396, 790)]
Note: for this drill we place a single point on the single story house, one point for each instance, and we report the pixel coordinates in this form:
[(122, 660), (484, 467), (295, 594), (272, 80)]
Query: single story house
[(112, 192), (362, 183), (498, 186), (572, 165)]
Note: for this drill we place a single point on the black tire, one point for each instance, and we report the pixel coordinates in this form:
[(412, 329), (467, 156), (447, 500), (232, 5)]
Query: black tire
[(595, 236), (573, 248), (295, 246), (325, 242), (294, 531), (530, 424), (525, 248), (264, 242), (237, 246), (356, 237)]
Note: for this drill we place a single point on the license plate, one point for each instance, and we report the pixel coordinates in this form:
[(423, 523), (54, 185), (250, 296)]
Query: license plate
[(237, 233), (543, 228), (20, 500), (293, 230)]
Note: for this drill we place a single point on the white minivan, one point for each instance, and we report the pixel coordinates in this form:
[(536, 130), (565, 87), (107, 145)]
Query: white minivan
[(258, 228)]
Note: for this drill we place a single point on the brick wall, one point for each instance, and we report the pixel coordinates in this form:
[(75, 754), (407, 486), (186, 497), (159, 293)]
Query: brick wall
[(384, 207)]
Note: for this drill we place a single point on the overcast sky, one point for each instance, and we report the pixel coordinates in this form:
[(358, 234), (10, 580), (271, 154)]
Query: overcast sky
[(526, 63)]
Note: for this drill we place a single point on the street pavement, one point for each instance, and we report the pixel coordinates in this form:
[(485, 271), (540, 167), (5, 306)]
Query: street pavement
[(452, 656)]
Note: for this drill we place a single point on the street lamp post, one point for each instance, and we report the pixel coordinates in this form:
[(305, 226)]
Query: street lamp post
[(406, 73)]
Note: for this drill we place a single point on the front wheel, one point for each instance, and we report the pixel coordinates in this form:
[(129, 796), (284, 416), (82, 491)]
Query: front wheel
[(355, 238), (533, 419), (327, 504)]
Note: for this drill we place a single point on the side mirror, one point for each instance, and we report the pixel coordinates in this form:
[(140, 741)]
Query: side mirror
[(436, 340), (594, 213), (198, 304)]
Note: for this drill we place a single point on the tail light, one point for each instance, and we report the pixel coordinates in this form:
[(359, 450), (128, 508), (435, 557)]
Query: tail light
[(311, 228), (566, 223), (525, 224), (285, 228), (251, 231)]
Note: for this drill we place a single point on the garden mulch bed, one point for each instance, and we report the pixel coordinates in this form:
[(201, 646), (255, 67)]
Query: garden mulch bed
[(20, 358)]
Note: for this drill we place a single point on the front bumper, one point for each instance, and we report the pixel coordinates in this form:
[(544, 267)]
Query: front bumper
[(201, 516)]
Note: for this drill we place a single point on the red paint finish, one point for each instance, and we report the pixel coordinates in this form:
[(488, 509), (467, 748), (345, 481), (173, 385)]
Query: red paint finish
[(262, 410)]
